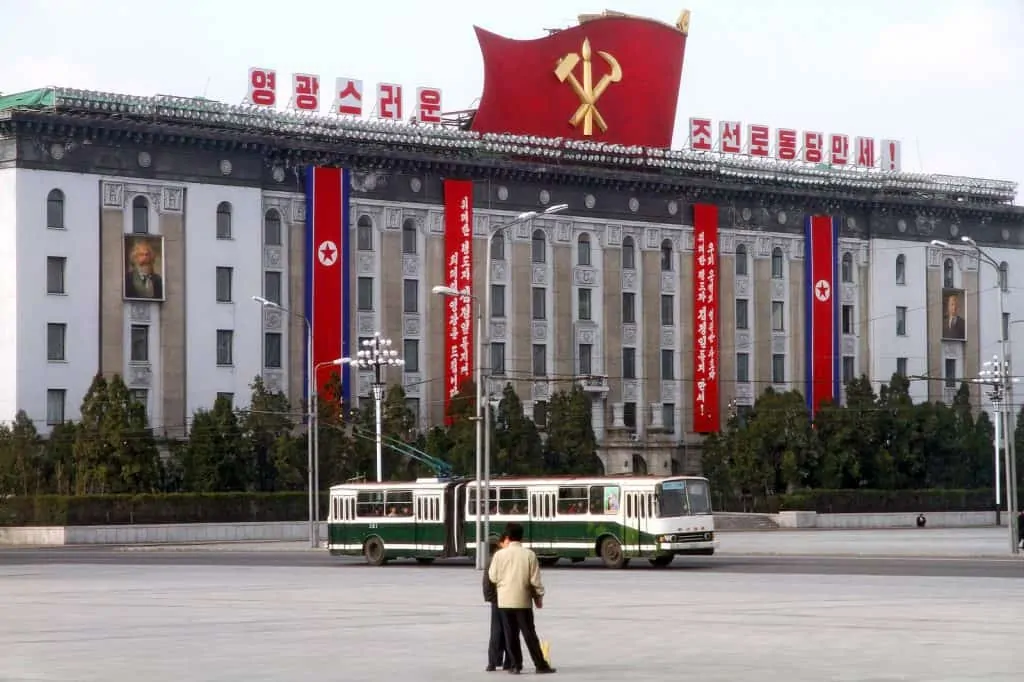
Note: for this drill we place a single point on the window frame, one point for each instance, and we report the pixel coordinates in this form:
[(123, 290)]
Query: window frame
[(138, 343), (223, 227), (225, 336), (228, 271), (273, 341), (61, 263), (55, 209), (60, 353)]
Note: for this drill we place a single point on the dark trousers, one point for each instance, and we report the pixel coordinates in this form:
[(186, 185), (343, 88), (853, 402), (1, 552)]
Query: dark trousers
[(521, 621), (497, 647)]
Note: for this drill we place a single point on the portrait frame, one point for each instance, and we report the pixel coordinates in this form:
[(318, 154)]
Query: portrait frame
[(132, 247), (954, 305)]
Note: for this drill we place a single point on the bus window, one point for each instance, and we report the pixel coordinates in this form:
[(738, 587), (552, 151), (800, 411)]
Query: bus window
[(370, 503), (512, 501), (471, 499), (399, 503), (699, 497), (572, 500), (672, 499)]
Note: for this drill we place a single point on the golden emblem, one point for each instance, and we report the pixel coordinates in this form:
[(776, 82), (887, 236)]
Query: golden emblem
[(588, 93)]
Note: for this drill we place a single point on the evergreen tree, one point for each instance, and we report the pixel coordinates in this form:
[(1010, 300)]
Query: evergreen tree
[(571, 446), (517, 448), (266, 429)]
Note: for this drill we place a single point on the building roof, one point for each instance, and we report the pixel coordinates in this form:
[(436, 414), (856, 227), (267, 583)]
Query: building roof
[(319, 138)]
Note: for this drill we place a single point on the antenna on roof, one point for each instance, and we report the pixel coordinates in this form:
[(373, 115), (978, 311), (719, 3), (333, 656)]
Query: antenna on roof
[(206, 88)]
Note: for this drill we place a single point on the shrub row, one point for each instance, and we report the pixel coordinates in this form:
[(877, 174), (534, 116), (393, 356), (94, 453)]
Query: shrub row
[(98, 510)]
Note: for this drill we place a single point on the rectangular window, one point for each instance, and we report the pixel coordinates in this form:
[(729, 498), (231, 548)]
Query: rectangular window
[(497, 300), (272, 350), (139, 350), (55, 400), (668, 364), (901, 366), (668, 417), (583, 298), (901, 320), (847, 315), (229, 397), (540, 414), (56, 341), (55, 269), (411, 295), (272, 287), (223, 285), (411, 351), (540, 306), (849, 369), (743, 368), (628, 307), (779, 368), (1006, 327), (141, 396), (540, 360), (668, 310), (742, 313), (629, 415), (498, 359), (778, 316), (409, 236), (950, 373), (225, 346), (629, 363), (364, 293), (413, 406), (586, 355)]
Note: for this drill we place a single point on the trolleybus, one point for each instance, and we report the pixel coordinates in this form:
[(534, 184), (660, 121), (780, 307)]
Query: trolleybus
[(613, 518)]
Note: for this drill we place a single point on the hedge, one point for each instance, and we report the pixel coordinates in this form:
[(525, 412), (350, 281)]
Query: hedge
[(98, 510)]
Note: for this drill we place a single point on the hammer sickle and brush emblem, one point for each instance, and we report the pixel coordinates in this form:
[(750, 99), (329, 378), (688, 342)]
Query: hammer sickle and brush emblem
[(587, 92)]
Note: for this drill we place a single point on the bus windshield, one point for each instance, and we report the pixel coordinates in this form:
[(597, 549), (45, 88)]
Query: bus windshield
[(683, 498)]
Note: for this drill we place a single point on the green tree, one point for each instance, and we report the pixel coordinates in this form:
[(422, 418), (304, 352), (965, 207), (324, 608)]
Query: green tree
[(571, 446), (397, 423), (215, 458), (59, 459), (336, 448), (517, 447), (276, 463), (21, 461)]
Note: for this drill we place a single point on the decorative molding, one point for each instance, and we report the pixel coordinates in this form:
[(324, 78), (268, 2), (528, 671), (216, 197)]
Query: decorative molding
[(273, 257), (498, 270), (563, 231), (299, 211), (140, 374), (727, 242), (629, 279), (742, 340), (273, 379), (539, 330), (849, 293), (763, 247), (410, 265), (934, 257), (779, 342), (366, 263), (411, 325), (585, 276), (366, 324), (614, 233), (586, 335), (113, 195), (412, 382), (778, 290), (435, 220), (796, 251), (498, 330), (540, 275), (668, 282), (364, 383), (495, 387), (849, 344), (540, 390), (652, 238), (669, 391), (668, 337), (742, 286), (630, 390), (273, 319), (744, 393), (481, 224), (392, 218), (138, 312)]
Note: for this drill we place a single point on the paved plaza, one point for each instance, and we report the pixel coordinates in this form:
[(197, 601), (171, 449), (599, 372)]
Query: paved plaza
[(120, 623)]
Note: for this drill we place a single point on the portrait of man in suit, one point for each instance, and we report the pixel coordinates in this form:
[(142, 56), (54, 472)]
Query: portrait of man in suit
[(143, 267), (953, 325)]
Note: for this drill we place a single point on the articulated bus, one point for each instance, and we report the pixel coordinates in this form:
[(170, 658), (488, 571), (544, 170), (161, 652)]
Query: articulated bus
[(614, 518)]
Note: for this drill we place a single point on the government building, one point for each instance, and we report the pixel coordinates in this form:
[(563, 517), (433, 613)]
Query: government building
[(135, 232)]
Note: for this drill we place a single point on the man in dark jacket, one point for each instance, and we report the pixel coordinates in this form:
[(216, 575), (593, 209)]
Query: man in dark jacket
[(498, 655)]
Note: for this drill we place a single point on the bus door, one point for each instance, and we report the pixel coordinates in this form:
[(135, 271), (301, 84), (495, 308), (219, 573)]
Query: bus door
[(343, 509), (542, 520), (429, 533), (454, 513), (639, 507)]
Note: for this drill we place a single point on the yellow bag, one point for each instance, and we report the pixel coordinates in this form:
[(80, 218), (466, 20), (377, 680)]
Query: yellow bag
[(545, 648)]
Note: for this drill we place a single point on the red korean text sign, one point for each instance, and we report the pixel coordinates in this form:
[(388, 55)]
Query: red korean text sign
[(458, 274), (613, 80), (706, 412)]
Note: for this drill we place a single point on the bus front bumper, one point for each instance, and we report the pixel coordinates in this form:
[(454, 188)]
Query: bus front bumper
[(687, 542)]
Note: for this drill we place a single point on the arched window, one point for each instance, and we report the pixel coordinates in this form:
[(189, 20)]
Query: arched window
[(55, 209), (223, 220), (628, 254), (846, 269), (140, 215), (583, 250), (364, 233), (272, 228), (948, 281), (901, 269), (1004, 276), (409, 236), (498, 246), (777, 262), (538, 247), (666, 255), (741, 260)]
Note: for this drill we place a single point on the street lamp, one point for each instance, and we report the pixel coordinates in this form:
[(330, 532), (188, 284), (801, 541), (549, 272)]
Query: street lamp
[(483, 407), (1009, 431), (311, 415), (376, 353), (996, 374), (316, 436)]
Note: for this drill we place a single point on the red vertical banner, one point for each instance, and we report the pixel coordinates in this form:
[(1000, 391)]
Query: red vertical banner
[(706, 412), (458, 274), (822, 262)]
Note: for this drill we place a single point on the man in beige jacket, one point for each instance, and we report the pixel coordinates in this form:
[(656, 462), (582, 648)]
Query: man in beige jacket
[(516, 573)]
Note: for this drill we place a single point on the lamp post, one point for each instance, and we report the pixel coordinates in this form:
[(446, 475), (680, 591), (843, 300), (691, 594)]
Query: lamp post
[(376, 353), (1006, 410), (483, 407), (316, 438), (310, 416), (996, 374)]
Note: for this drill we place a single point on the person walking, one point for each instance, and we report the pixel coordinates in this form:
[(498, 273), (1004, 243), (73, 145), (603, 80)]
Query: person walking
[(515, 572), (498, 655)]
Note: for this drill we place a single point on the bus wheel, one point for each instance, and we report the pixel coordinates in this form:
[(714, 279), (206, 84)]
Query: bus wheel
[(373, 550), (548, 560), (425, 560), (662, 561), (611, 554)]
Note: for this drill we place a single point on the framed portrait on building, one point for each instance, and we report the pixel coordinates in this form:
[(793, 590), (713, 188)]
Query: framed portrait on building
[(954, 326), (143, 267)]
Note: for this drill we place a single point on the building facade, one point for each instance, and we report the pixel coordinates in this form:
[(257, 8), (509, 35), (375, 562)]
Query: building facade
[(600, 294)]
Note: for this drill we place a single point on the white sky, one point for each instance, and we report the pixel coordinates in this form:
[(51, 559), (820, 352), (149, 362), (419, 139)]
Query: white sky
[(945, 77)]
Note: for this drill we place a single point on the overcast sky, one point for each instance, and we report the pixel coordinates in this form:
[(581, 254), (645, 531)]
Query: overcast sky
[(946, 77)]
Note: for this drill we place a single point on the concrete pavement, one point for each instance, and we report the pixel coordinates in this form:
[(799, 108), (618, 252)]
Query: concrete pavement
[(117, 623)]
